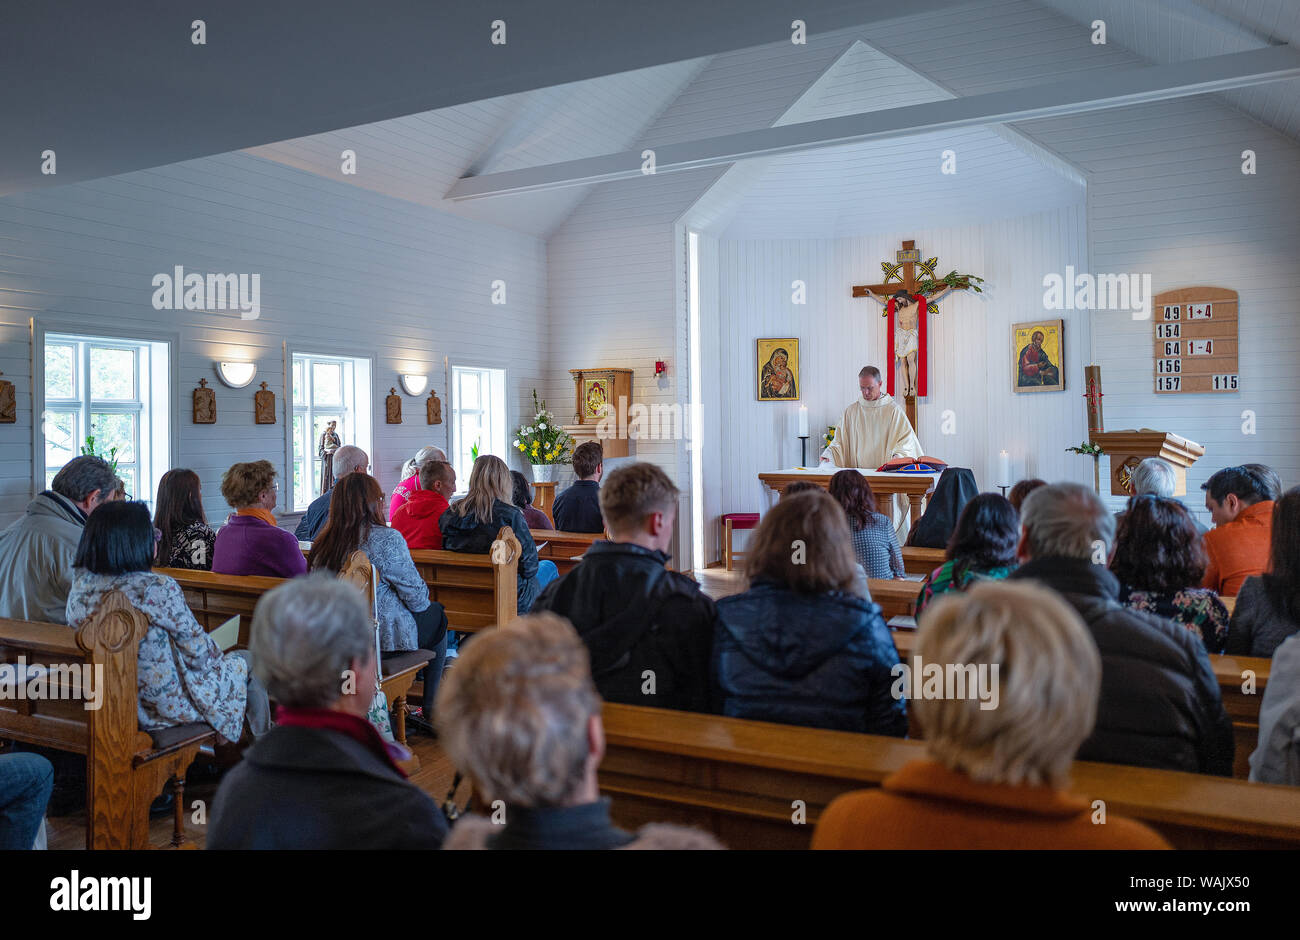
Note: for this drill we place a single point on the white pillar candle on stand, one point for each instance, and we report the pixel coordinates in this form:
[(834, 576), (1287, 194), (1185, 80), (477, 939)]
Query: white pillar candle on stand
[(803, 421), (1004, 469)]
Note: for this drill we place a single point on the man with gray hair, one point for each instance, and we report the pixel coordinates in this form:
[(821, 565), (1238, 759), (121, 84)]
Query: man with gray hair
[(323, 777), (347, 459), (36, 552), (1160, 704), (1155, 477)]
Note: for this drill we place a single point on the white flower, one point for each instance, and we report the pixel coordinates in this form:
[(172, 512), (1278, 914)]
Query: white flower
[(516, 443), (542, 426)]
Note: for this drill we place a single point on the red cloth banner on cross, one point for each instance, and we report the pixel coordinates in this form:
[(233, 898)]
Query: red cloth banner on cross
[(920, 345)]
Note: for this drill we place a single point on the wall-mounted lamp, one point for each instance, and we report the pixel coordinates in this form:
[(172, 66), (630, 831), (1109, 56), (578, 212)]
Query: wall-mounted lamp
[(414, 384), (236, 374)]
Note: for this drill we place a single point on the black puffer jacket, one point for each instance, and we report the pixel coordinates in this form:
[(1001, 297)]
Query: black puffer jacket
[(636, 615), (820, 660), (1160, 704)]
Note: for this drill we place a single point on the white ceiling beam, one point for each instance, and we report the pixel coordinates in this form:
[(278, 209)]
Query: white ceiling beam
[(1092, 92)]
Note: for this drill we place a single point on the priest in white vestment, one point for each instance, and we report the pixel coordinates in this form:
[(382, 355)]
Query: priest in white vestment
[(874, 429)]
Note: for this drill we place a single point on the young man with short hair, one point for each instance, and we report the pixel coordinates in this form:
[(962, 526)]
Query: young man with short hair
[(577, 509), (417, 518), (1240, 503), (649, 630)]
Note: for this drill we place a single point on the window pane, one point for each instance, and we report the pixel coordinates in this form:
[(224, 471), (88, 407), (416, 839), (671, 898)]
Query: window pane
[(61, 443), (114, 430), (326, 383), (112, 374), (128, 477), (60, 370), (298, 422), (469, 390), (49, 478), (299, 394), (300, 492)]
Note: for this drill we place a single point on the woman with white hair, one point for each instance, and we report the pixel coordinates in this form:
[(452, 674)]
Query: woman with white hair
[(996, 777), (323, 777), (411, 476)]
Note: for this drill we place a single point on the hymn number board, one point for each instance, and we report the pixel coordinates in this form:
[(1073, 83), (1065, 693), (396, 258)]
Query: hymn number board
[(1195, 340)]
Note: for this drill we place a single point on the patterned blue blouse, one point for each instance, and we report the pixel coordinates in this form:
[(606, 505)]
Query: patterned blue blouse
[(877, 548)]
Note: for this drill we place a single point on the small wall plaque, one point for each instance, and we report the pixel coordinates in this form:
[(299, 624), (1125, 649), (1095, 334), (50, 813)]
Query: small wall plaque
[(264, 406), (393, 407), (8, 403), (205, 404), (434, 408)]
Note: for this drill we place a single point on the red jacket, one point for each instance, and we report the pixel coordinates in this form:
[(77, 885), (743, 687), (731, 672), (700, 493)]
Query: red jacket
[(417, 519)]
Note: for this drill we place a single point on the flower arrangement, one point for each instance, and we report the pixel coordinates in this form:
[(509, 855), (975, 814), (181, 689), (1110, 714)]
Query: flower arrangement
[(829, 437), (89, 451), (542, 441), (1093, 450)]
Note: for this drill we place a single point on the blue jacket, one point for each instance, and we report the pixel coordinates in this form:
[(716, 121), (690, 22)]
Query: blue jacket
[(817, 660), (470, 535)]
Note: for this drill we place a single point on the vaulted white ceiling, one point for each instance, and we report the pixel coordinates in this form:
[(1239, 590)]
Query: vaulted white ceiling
[(419, 157), (863, 188)]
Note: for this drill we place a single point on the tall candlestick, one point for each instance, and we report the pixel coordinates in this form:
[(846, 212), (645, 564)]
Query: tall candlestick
[(803, 421), (1004, 469)]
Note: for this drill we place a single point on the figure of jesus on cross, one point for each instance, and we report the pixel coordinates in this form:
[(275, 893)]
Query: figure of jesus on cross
[(906, 307)]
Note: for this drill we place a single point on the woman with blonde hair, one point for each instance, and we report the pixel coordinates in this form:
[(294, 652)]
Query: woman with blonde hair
[(1021, 680), (411, 476), (471, 525), (800, 647)]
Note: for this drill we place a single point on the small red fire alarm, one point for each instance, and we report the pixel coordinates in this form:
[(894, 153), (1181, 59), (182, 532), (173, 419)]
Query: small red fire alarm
[(660, 368)]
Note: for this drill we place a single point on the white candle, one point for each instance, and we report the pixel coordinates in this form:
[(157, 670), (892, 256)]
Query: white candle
[(803, 421), (1004, 469)]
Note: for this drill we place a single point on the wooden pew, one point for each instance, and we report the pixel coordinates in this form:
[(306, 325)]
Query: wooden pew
[(1242, 707), (564, 548), (126, 768), (896, 598), (921, 560), (739, 779)]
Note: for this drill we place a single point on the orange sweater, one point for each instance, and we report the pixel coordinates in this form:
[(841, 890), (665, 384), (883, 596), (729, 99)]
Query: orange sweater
[(927, 806), (1239, 549)]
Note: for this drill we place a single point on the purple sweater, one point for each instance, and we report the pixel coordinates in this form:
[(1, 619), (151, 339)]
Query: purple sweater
[(247, 545)]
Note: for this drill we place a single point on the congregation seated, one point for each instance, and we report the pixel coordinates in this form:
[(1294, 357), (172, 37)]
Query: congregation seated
[(1268, 606), (1160, 704), (632, 613), (577, 509), (186, 540), (472, 524), (871, 534), (418, 517), (347, 459), (523, 500), (982, 548), (37, 550), (26, 781), (1021, 490), (1160, 561), (995, 778), (520, 717), (251, 543), (1240, 503), (410, 481), (1276, 758), (182, 675), (323, 778), (408, 620), (798, 647), (956, 488)]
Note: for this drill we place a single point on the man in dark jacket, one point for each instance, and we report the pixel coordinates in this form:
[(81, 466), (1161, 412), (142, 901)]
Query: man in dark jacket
[(1160, 704), (578, 508), (323, 777), (649, 630), (347, 459)]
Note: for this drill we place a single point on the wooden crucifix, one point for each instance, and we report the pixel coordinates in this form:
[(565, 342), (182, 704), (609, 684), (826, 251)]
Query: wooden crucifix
[(906, 308)]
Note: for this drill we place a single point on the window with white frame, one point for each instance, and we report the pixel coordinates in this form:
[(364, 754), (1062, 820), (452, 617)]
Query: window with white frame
[(478, 418), (325, 389), (114, 391)]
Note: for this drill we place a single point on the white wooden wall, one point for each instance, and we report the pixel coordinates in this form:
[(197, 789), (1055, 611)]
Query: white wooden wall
[(343, 271)]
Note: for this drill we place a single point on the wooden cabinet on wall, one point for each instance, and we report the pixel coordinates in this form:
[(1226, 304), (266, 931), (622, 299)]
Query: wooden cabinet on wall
[(594, 390)]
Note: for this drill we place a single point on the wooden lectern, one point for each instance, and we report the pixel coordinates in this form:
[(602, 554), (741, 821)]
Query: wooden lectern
[(1127, 449)]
